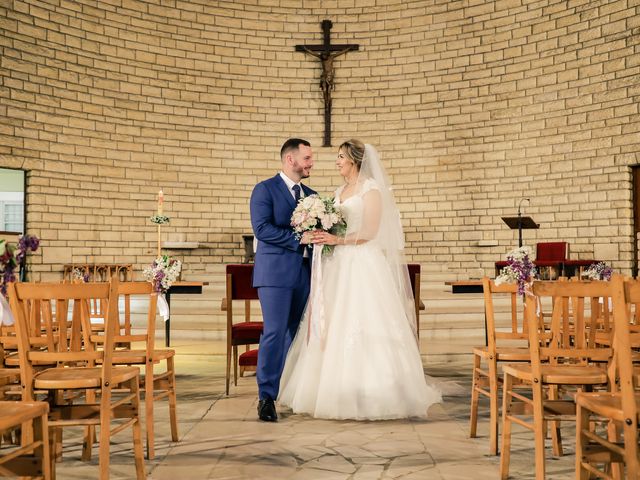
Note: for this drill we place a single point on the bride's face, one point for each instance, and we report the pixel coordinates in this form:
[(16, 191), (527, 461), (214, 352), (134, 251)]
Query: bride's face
[(345, 165)]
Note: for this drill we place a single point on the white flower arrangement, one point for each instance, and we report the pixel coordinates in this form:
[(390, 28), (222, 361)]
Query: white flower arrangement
[(599, 271), (519, 269), (78, 275), (162, 273), (314, 212)]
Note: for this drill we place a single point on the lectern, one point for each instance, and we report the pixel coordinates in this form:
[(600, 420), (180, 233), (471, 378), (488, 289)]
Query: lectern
[(520, 223)]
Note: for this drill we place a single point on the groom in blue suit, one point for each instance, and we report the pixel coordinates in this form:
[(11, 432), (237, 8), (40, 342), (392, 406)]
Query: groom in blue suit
[(282, 267)]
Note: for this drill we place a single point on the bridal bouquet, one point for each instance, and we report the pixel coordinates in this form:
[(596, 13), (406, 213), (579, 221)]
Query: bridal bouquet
[(599, 271), (314, 212), (519, 269), (162, 273)]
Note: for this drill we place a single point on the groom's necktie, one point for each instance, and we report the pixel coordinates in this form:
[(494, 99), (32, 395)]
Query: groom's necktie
[(296, 192)]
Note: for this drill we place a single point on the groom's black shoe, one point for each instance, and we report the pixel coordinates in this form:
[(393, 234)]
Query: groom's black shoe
[(267, 410)]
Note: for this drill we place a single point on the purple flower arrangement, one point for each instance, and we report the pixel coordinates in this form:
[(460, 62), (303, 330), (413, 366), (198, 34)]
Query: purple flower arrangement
[(162, 273), (520, 269), (14, 257), (599, 271)]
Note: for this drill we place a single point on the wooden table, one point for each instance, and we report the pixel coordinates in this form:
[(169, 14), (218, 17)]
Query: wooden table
[(470, 286), (466, 286), (179, 288)]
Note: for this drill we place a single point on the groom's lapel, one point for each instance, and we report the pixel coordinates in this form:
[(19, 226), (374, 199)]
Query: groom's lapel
[(307, 191), (282, 187)]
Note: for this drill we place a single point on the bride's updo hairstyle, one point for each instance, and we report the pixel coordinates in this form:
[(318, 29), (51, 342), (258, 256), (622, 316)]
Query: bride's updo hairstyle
[(354, 149)]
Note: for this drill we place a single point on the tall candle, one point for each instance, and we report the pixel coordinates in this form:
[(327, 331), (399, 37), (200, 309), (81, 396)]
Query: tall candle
[(160, 202)]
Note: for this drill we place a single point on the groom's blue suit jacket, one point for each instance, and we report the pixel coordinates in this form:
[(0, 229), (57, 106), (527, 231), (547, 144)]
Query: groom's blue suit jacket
[(279, 254)]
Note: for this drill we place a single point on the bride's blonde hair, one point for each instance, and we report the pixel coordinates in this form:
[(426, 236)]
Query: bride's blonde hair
[(354, 149)]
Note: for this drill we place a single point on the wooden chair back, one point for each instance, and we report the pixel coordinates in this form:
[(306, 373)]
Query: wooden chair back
[(566, 338), (517, 328), (124, 336), (42, 309)]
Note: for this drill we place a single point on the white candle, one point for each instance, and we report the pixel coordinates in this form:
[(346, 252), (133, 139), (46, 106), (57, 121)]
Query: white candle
[(160, 202)]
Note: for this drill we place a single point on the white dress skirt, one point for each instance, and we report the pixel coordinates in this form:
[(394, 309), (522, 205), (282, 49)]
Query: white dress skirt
[(367, 364)]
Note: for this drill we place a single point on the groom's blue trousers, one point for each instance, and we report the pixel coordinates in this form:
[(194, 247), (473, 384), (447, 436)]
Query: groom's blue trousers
[(282, 310)]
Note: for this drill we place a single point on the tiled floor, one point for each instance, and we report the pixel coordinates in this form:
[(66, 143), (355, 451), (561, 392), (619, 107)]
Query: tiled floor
[(221, 438)]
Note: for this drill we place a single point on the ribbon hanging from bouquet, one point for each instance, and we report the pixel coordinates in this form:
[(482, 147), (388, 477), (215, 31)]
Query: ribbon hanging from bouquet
[(315, 305), (163, 307), (6, 317)]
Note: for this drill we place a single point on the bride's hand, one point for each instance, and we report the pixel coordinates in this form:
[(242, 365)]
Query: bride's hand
[(325, 238)]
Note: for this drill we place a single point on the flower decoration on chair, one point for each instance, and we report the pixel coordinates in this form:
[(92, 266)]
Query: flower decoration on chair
[(162, 273), (14, 257), (314, 212), (159, 219), (78, 275), (599, 271), (519, 269)]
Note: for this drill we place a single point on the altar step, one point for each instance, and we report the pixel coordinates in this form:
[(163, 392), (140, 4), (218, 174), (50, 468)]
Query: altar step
[(449, 326)]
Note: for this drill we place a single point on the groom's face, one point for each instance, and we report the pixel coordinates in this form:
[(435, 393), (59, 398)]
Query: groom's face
[(302, 161)]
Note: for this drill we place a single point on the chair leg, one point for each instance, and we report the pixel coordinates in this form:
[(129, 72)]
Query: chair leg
[(505, 451), (228, 371), (148, 409), (538, 429), (138, 451), (41, 432), (493, 407), (473, 418), (235, 365), (89, 431), (556, 436), (105, 435), (582, 423), (173, 418)]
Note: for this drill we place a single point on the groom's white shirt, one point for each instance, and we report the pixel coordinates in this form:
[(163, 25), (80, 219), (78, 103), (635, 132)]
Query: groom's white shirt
[(290, 183)]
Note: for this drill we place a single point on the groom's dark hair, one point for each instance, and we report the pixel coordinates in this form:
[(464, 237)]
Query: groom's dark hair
[(292, 144)]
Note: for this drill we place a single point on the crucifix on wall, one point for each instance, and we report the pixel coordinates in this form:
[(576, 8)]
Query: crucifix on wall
[(326, 53)]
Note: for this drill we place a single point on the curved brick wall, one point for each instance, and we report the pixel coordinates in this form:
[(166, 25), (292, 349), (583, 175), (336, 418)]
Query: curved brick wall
[(473, 105)]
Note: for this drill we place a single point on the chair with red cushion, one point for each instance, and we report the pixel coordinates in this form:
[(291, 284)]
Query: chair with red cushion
[(240, 287), (550, 257)]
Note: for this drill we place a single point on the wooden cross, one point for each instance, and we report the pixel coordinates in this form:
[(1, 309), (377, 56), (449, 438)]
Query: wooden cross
[(326, 53)]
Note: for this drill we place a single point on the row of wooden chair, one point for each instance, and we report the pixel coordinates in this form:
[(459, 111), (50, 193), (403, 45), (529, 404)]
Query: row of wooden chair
[(552, 362), (91, 376)]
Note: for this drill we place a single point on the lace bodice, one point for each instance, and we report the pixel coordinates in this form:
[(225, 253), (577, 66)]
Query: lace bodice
[(353, 207)]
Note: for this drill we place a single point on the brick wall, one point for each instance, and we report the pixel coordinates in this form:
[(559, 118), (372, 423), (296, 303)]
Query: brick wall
[(473, 105)]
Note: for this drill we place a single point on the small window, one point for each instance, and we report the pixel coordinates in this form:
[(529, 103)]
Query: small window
[(12, 208)]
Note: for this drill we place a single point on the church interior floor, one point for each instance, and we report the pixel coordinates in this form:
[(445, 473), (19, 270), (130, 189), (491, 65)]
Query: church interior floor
[(221, 438)]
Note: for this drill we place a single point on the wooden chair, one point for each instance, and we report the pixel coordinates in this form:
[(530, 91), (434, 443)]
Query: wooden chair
[(33, 306), (239, 287), (156, 385), (508, 346), (414, 277), (620, 406), (32, 458), (560, 357)]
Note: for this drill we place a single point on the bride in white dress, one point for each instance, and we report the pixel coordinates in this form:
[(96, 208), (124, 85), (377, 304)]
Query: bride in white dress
[(356, 355)]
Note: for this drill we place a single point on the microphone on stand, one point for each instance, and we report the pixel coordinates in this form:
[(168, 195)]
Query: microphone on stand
[(522, 200), (520, 221)]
